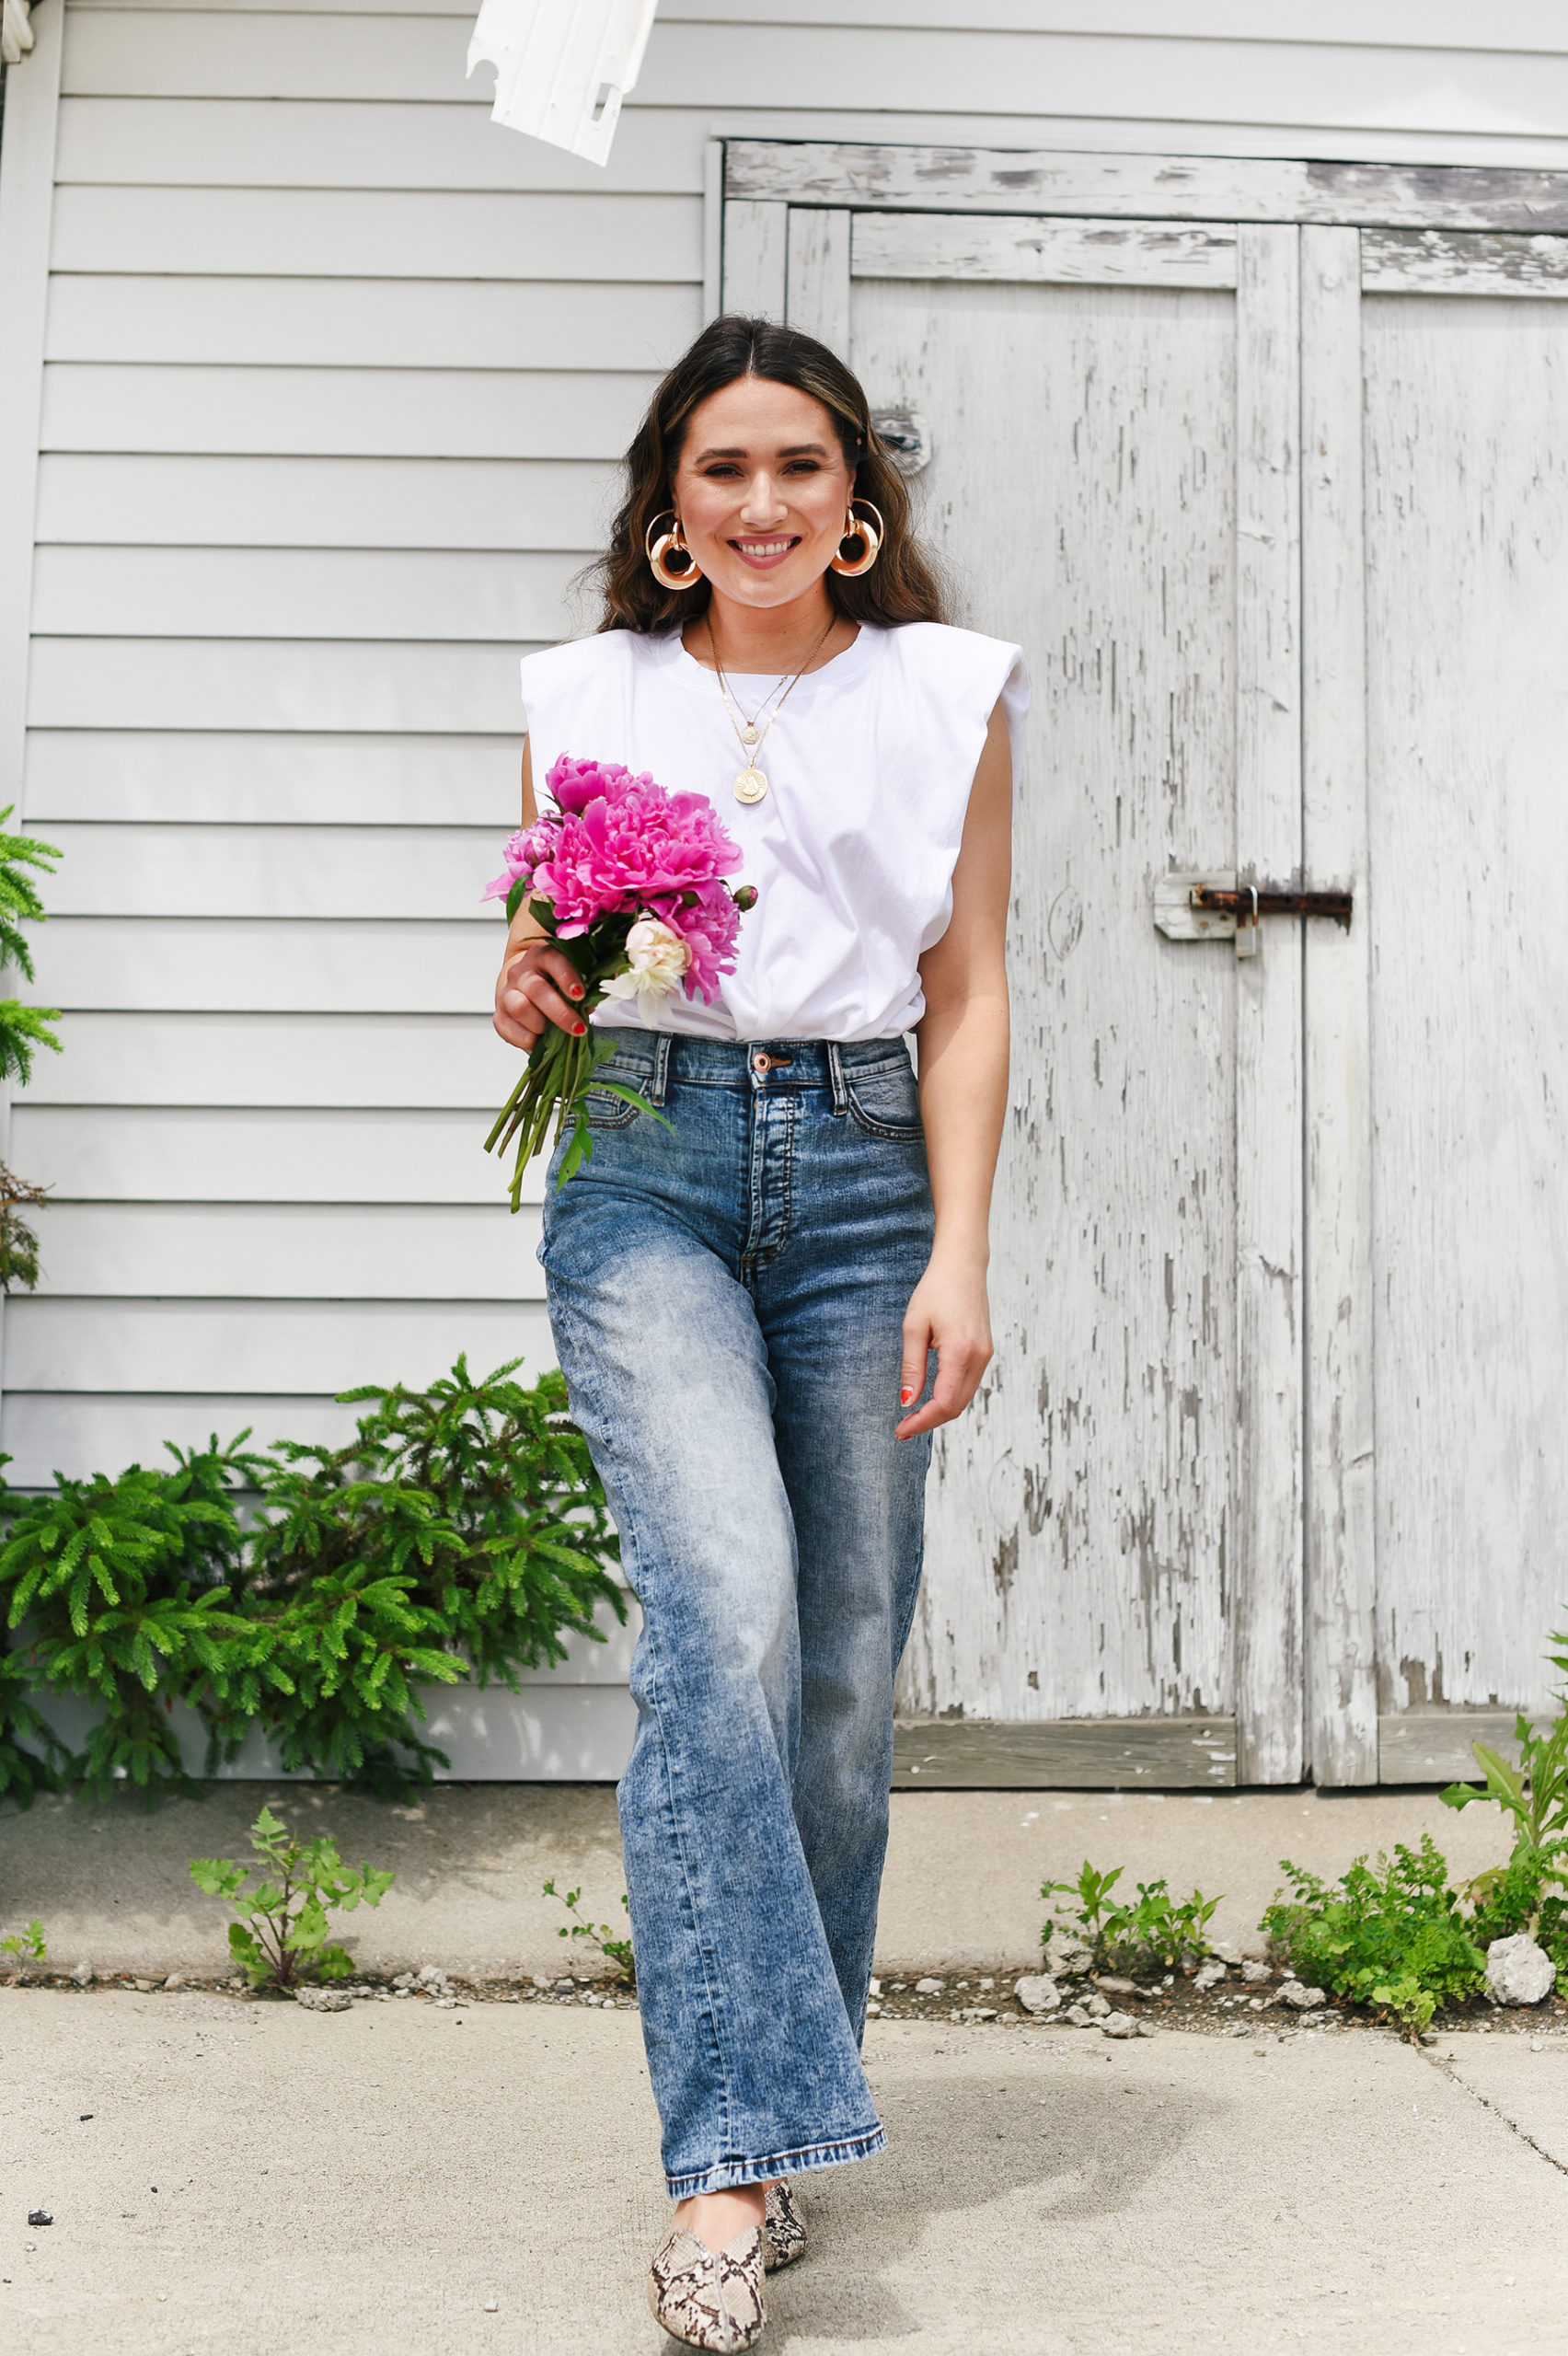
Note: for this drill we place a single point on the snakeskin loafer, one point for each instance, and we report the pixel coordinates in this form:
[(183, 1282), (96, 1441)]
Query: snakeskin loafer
[(710, 2298), (784, 2232)]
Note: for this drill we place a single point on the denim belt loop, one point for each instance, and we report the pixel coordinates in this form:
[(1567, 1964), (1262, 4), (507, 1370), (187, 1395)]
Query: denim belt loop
[(836, 1076), (661, 1068)]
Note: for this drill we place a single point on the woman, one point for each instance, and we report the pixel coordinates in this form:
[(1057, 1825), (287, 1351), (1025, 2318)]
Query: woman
[(769, 1289)]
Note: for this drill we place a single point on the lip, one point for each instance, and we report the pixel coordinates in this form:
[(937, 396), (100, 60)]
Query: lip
[(759, 563)]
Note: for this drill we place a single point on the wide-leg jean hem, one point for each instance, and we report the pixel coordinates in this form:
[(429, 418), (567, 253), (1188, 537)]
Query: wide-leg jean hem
[(726, 2175)]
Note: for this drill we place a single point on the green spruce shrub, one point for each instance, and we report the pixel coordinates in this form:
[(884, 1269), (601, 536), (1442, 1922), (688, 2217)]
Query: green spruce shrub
[(462, 1532), (120, 1591)]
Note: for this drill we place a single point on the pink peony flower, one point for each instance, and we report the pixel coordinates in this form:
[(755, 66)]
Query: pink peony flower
[(572, 784), (710, 931), (517, 863), (642, 871), (626, 847)]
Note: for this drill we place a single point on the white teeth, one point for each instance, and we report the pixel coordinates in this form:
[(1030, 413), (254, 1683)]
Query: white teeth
[(764, 547)]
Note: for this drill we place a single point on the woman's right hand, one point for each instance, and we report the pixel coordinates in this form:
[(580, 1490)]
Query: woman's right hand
[(537, 983)]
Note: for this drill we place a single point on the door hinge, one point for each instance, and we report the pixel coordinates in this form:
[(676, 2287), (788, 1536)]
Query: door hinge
[(1215, 903)]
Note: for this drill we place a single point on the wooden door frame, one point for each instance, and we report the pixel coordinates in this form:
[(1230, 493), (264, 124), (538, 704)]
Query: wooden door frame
[(785, 249)]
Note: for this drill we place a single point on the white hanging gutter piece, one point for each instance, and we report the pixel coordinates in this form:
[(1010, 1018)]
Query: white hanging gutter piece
[(561, 67), (17, 32)]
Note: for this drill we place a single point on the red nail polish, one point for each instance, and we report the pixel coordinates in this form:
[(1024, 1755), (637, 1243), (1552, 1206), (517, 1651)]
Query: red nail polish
[(582, 1027), (576, 989), (904, 1397)]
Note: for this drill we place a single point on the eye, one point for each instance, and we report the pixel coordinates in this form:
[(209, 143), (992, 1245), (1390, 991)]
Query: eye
[(722, 470)]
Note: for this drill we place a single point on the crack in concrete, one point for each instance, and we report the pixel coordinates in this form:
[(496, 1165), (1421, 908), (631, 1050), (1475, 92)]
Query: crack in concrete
[(1442, 2064)]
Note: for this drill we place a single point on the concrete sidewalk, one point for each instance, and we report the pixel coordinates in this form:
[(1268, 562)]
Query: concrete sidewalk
[(230, 2178), (111, 1885)]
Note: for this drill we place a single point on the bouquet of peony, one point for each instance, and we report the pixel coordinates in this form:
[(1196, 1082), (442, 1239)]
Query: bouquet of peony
[(627, 880)]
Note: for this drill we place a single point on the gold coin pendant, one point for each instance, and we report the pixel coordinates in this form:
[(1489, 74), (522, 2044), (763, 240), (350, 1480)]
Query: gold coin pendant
[(751, 785), (751, 734)]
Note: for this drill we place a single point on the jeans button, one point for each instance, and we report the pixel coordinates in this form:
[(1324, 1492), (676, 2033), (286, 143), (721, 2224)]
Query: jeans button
[(760, 1063)]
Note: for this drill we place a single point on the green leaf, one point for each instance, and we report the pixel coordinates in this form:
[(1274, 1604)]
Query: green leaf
[(631, 1096)]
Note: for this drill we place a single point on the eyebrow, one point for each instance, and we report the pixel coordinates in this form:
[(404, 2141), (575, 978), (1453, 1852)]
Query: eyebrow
[(795, 450)]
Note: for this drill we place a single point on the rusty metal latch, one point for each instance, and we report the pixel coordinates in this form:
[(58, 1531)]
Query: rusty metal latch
[(1219, 905)]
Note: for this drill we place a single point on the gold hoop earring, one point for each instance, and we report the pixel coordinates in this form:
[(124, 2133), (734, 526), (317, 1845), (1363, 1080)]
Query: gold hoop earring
[(870, 536), (658, 553)]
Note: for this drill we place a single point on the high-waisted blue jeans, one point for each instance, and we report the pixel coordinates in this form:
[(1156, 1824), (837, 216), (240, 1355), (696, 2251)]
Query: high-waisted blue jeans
[(727, 1295)]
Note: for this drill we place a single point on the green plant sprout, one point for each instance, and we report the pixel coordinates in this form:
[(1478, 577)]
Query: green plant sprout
[(1394, 1935), (615, 1951), (1530, 1892), (1155, 1928), (29, 1943), (283, 1928)]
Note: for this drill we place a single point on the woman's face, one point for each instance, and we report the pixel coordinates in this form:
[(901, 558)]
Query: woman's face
[(761, 489)]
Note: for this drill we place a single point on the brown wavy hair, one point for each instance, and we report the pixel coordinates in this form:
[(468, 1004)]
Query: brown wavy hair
[(903, 584)]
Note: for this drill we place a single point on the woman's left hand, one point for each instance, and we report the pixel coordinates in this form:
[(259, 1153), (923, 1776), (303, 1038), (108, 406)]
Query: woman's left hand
[(948, 1312)]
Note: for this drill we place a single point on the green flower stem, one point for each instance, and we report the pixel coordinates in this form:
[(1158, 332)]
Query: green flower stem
[(558, 1068)]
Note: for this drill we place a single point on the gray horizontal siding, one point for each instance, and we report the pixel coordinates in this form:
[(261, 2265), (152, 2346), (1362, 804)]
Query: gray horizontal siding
[(337, 375), (365, 1155)]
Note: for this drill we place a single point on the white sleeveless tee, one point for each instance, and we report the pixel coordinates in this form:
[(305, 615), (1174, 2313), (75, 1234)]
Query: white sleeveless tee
[(869, 766)]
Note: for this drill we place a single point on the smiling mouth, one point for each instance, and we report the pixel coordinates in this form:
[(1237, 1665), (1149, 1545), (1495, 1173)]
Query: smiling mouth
[(769, 551)]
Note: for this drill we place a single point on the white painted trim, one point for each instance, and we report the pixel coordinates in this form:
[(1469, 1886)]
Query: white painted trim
[(1093, 253), (26, 204), (992, 178), (16, 35), (713, 229), (1266, 1482), (1342, 1698), (1444, 261), (27, 199)]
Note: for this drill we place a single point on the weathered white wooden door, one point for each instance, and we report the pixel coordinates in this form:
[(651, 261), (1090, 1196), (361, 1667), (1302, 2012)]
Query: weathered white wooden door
[(1269, 1474), (1435, 424), (1115, 1532)]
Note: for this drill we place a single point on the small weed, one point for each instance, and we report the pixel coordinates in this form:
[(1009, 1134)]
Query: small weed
[(1393, 1937), (1530, 1892), (1156, 1928), (615, 1951), (283, 1928), (29, 1943)]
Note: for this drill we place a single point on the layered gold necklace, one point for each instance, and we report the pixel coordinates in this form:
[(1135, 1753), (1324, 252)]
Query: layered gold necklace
[(751, 783)]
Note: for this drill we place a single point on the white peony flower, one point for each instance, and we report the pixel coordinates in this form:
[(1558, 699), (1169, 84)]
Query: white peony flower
[(658, 957)]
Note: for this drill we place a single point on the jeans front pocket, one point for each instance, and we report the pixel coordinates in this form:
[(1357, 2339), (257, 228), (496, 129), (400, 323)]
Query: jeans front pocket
[(886, 1102), (607, 1112)]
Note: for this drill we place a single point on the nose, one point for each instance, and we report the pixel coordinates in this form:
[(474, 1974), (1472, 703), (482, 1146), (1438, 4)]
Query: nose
[(762, 504)]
